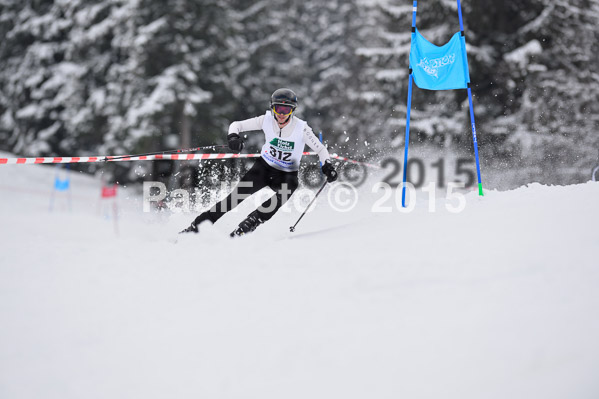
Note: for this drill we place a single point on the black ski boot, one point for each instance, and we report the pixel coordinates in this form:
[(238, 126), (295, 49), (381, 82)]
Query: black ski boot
[(248, 225), (191, 229)]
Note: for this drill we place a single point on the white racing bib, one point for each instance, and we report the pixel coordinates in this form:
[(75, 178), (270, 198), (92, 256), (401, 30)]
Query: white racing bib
[(283, 153)]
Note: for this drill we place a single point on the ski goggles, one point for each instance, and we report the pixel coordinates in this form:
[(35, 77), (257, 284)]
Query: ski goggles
[(281, 109)]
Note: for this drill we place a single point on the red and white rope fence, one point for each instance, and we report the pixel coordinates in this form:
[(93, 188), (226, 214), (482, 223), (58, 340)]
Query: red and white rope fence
[(173, 157)]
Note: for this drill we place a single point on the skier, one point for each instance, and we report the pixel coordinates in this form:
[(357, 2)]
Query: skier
[(277, 166)]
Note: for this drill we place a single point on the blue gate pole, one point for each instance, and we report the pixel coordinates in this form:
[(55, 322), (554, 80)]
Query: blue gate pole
[(407, 144), (465, 58), (320, 138)]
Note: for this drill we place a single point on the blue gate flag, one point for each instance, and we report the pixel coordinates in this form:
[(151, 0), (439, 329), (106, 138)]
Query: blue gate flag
[(61, 185), (439, 68)]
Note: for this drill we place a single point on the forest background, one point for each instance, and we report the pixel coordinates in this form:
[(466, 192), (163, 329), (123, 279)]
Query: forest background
[(82, 77)]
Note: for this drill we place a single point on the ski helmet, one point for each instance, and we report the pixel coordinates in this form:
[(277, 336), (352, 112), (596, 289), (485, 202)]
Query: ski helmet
[(283, 97)]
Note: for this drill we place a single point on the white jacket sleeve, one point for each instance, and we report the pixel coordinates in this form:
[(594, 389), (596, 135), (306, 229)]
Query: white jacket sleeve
[(246, 125), (315, 144)]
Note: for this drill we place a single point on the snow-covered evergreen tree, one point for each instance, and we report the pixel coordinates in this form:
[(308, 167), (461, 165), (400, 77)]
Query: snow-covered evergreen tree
[(82, 76), (543, 90), (306, 46), (436, 116), (43, 94)]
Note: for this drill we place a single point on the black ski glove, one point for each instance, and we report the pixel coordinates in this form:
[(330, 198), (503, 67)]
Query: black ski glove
[(329, 171), (235, 142)]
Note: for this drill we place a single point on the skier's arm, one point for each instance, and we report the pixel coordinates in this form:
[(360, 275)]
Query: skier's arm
[(315, 145), (247, 125), (233, 137)]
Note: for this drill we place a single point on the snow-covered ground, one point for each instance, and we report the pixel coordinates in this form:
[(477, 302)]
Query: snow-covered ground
[(498, 301)]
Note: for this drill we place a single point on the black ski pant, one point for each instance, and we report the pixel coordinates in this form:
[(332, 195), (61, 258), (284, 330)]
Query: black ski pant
[(260, 175)]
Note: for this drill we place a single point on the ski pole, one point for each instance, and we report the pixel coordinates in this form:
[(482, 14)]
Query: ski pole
[(210, 147), (292, 228)]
